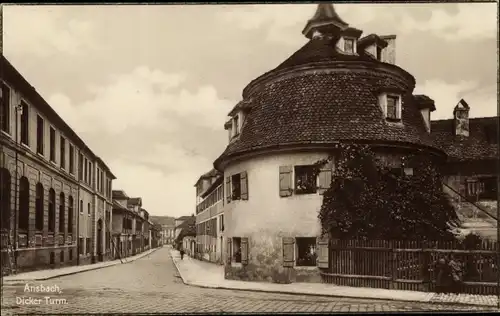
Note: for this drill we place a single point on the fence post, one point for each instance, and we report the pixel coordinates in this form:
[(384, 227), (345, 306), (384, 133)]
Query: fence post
[(424, 272), (394, 264)]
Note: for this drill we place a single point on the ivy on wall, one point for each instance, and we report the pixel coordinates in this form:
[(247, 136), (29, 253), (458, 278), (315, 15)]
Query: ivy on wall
[(369, 200)]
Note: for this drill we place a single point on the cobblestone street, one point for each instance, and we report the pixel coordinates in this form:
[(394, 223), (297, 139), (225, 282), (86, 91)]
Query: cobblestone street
[(151, 284)]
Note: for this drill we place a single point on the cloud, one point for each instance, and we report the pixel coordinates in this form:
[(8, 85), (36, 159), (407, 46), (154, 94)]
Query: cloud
[(283, 22), (143, 98), (482, 100), (142, 123), (44, 31), (472, 21)]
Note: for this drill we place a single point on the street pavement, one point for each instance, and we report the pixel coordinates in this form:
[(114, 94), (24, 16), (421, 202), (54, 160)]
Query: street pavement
[(152, 284)]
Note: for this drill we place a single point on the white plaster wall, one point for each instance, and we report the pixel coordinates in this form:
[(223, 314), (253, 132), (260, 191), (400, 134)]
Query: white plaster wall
[(265, 210)]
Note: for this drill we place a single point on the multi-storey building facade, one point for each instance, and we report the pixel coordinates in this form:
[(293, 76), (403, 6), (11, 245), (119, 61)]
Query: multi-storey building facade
[(54, 191), (131, 226), (210, 217), (339, 87)]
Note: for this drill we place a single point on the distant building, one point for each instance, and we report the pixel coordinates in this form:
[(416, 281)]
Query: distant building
[(56, 204), (178, 222), (131, 225), (210, 216), (167, 231)]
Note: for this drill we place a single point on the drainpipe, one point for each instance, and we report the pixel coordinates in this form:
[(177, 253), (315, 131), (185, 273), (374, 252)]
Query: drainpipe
[(78, 220), (19, 111)]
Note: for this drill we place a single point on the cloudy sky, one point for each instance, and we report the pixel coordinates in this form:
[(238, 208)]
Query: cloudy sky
[(149, 87)]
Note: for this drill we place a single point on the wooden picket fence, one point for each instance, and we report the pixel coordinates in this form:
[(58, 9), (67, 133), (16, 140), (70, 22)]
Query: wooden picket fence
[(409, 265)]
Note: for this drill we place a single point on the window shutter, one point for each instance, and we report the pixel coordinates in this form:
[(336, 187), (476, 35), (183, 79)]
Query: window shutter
[(399, 107), (229, 250), (244, 185), (288, 251), (325, 177), (322, 250), (228, 189), (244, 250), (286, 181)]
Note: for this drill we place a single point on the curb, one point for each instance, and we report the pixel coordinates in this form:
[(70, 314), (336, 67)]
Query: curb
[(428, 301), (19, 281)]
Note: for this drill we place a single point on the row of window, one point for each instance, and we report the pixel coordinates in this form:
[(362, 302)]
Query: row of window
[(127, 223), (24, 207), (88, 246), (66, 149), (52, 257), (298, 251), (209, 228), (214, 197)]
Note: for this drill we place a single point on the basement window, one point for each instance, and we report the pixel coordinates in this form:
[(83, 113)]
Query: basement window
[(305, 180), (305, 251)]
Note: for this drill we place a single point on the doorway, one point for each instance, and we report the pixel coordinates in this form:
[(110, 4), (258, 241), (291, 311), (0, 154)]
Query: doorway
[(99, 240)]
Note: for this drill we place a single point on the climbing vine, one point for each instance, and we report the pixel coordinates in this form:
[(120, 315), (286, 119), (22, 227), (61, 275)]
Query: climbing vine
[(368, 199)]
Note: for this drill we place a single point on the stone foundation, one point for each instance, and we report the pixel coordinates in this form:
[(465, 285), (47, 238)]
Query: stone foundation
[(40, 259)]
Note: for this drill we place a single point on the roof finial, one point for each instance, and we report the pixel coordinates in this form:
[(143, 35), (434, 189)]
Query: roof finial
[(325, 21)]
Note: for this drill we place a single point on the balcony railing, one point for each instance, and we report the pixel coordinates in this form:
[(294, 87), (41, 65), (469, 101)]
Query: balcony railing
[(213, 198)]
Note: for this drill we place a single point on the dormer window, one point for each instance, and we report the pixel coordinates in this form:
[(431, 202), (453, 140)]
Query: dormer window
[(391, 106), (236, 125), (349, 45), (379, 53)]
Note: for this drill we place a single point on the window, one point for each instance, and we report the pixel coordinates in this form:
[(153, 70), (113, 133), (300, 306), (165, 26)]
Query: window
[(221, 222), (349, 45), (392, 107), (24, 123), (236, 257), (52, 210), (61, 256), (5, 109), (52, 258), (39, 135), (90, 173), (88, 208), (81, 207), (98, 179), (70, 255), (85, 172), (39, 207), (490, 186), (379, 53), (305, 253), (71, 159), (5, 193), (70, 215), (235, 187), (236, 125), (87, 246), (62, 206), (52, 144), (305, 180), (63, 152), (80, 167), (24, 204), (80, 245)]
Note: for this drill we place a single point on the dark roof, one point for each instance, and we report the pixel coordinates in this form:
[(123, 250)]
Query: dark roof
[(319, 50), (183, 218), (212, 173), (481, 144), (134, 201), (372, 39), (323, 109), (11, 75), (212, 187), (119, 194), (163, 220), (188, 221)]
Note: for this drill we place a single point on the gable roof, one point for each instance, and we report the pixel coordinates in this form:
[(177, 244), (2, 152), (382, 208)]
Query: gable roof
[(481, 144)]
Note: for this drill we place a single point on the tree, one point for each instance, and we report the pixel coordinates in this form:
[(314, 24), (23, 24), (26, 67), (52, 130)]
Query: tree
[(367, 200)]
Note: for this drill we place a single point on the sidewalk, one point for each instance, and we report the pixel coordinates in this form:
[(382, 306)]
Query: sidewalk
[(54, 273), (203, 274)]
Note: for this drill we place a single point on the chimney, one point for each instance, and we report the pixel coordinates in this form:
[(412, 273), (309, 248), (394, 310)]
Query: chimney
[(389, 53), (426, 106), (461, 118)]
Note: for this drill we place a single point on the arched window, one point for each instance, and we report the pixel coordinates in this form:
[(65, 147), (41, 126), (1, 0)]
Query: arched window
[(52, 210), (5, 204), (39, 207), (70, 214), (24, 204), (62, 206)]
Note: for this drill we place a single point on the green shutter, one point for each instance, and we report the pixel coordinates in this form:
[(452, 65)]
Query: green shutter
[(286, 184), (244, 185), (322, 250), (288, 251), (244, 250)]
